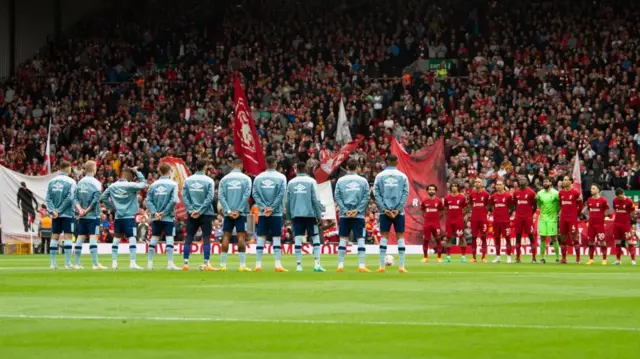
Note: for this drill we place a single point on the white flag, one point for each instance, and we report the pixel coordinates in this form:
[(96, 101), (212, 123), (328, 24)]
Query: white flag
[(325, 194), (343, 135), (46, 167)]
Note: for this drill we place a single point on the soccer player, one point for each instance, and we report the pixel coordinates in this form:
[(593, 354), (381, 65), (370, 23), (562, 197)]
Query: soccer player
[(525, 202), (197, 196), (161, 202), (88, 208), (454, 205), (268, 193), (304, 209), (391, 190), (501, 203), (598, 208), (433, 208), (623, 206), (479, 199), (61, 192), (570, 205), (234, 192), (352, 196), (123, 197), (548, 201)]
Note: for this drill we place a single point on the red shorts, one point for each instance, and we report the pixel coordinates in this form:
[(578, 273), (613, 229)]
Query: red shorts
[(431, 231), (478, 228), (568, 226), (597, 234), (455, 229), (501, 230), (621, 231), (524, 226)]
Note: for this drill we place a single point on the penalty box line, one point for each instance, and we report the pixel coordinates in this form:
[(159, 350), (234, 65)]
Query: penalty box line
[(315, 322)]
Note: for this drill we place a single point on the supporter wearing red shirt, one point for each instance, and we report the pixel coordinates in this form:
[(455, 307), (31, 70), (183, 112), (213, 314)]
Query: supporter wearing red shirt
[(501, 203), (598, 208), (479, 199), (570, 204), (454, 204), (623, 207), (525, 201), (432, 208)]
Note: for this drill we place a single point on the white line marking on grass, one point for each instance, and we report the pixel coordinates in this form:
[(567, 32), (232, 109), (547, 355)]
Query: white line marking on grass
[(318, 322)]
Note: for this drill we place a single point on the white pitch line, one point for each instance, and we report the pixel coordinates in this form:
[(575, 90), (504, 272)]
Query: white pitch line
[(319, 322)]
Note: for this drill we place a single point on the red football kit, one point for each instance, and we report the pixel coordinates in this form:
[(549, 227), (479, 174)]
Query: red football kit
[(525, 202), (455, 216), (501, 202), (570, 205), (479, 202), (597, 211), (622, 222), (432, 208)]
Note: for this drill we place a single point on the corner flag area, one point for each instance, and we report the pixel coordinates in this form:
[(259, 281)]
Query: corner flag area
[(435, 311)]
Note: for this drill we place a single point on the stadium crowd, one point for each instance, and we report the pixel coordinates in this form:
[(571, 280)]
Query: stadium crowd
[(514, 87)]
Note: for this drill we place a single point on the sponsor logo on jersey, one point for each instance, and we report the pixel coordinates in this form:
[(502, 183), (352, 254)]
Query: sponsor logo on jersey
[(268, 184), (161, 191), (57, 187), (120, 193), (352, 186), (196, 187), (234, 185), (299, 189), (391, 182)]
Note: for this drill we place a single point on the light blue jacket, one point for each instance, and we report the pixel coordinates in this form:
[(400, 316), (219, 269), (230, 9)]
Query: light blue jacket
[(88, 196), (61, 195), (197, 194), (352, 192), (234, 192), (162, 198), (391, 190), (302, 198), (123, 196), (268, 191)]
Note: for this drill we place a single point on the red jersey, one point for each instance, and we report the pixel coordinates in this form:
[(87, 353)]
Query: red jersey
[(479, 203), (570, 204), (455, 206), (624, 209), (501, 204), (525, 201), (432, 208), (597, 210)]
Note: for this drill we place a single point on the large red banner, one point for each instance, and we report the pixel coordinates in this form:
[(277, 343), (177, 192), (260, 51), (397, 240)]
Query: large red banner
[(422, 168), (246, 142), (333, 163), (180, 174)]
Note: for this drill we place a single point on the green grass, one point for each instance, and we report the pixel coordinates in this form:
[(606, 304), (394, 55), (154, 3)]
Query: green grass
[(435, 311)]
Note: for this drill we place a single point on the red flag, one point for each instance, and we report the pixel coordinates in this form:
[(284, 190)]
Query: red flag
[(46, 167), (577, 180), (245, 138), (180, 174), (424, 168), (333, 163)]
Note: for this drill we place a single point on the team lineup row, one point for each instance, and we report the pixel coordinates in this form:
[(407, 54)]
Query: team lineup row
[(297, 200), (557, 222)]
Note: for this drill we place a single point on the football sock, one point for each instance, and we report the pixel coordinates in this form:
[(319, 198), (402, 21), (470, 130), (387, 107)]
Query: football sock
[(425, 248), (556, 248), (474, 248), (439, 249), (604, 250), (563, 249), (206, 249), (223, 258), (463, 250), (53, 251), (114, 249), (77, 250), (68, 246), (316, 249), (169, 249), (152, 247), (401, 252), (618, 251), (632, 251), (362, 252), (186, 252), (509, 246), (592, 251), (342, 251), (259, 251), (132, 248), (277, 251), (498, 246), (518, 247), (383, 250), (576, 248), (93, 249), (543, 247), (242, 258), (484, 248), (298, 248), (534, 247)]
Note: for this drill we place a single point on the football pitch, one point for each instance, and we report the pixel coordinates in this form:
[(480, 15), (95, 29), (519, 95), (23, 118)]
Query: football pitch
[(435, 311)]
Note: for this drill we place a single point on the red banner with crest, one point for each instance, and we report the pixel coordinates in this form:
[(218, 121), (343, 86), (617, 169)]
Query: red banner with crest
[(246, 142)]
